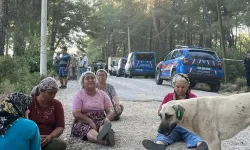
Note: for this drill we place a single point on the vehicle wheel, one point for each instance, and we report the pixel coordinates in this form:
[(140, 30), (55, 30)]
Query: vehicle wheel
[(192, 84), (158, 78), (215, 87), (153, 76), (110, 72), (172, 76), (125, 75), (145, 76)]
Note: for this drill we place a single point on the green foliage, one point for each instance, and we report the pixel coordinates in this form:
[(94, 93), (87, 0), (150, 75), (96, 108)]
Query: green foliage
[(240, 83), (6, 87), (236, 68), (15, 75), (229, 87), (8, 69)]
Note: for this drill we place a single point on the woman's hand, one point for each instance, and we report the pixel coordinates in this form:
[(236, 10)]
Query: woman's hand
[(106, 120), (27, 114), (93, 125), (45, 139), (117, 108)]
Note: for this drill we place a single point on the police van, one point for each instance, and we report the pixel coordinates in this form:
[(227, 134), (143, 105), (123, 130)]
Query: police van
[(140, 64)]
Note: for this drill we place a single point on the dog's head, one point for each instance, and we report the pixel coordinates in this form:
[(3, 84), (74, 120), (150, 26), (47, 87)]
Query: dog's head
[(171, 113)]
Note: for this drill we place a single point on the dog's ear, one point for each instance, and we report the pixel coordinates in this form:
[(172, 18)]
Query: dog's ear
[(179, 109)]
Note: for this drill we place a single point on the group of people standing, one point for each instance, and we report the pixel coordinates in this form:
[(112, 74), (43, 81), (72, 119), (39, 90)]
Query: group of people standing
[(41, 116), (68, 66)]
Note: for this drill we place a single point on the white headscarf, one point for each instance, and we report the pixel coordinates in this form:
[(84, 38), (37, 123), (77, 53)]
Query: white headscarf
[(83, 75), (181, 77)]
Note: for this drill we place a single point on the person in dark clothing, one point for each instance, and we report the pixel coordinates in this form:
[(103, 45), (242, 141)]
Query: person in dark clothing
[(95, 67), (247, 68)]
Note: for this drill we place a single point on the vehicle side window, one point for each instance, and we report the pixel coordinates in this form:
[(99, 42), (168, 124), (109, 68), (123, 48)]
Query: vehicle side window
[(168, 57), (180, 53), (174, 55)]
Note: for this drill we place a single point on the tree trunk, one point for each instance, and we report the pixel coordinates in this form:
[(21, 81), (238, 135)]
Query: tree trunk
[(20, 28), (54, 26), (157, 25), (103, 53), (201, 40), (207, 26), (150, 41), (236, 37), (230, 38), (124, 50), (172, 34), (108, 47), (113, 47), (188, 42), (2, 27)]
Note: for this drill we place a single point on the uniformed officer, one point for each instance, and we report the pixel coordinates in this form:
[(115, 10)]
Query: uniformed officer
[(247, 66)]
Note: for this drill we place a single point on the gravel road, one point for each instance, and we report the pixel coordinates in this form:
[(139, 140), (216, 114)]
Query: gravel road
[(141, 98)]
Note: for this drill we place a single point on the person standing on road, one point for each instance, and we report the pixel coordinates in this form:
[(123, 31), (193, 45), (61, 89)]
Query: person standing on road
[(56, 62), (247, 68), (92, 110), (181, 91), (16, 131), (48, 114), (84, 64), (64, 68), (73, 65), (102, 75)]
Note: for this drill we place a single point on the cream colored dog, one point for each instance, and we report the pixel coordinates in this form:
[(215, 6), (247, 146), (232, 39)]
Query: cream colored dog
[(214, 118)]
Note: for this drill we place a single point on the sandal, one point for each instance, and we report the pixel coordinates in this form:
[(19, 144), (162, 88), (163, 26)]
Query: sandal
[(105, 129), (202, 146), (150, 145)]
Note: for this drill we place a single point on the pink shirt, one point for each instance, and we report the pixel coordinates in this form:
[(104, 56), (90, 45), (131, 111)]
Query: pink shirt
[(86, 103)]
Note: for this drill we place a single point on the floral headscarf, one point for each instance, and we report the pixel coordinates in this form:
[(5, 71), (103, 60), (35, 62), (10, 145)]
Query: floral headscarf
[(48, 83), (12, 107)]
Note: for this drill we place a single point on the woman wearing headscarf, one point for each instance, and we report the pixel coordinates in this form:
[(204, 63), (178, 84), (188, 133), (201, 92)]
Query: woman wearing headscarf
[(181, 91), (17, 132), (110, 90), (89, 107), (48, 113)]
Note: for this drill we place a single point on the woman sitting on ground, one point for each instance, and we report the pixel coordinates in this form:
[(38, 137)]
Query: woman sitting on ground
[(16, 132), (88, 106), (110, 90), (48, 113), (181, 91)]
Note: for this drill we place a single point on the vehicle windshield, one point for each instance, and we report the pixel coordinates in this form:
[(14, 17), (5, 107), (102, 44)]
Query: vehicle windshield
[(147, 57), (115, 62), (205, 55)]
